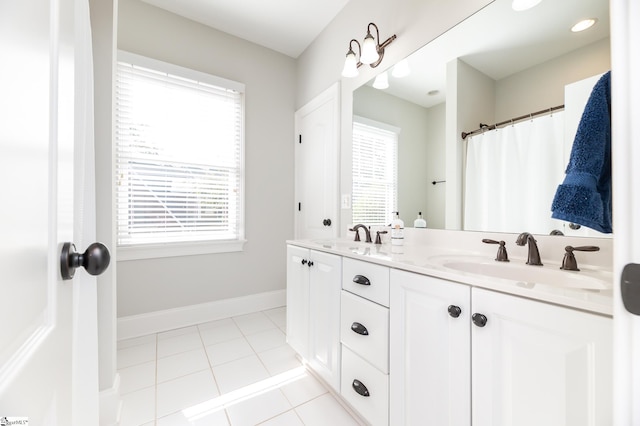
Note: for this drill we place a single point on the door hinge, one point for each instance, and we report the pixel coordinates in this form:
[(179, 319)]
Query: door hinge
[(299, 138), (299, 207)]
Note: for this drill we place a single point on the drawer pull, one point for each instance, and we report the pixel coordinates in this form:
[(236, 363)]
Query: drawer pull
[(359, 328), (360, 388), (361, 279)]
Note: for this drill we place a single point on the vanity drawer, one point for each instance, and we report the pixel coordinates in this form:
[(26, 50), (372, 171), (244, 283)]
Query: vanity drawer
[(359, 374), (365, 279), (364, 328)]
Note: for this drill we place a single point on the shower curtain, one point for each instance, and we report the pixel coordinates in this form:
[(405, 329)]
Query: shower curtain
[(512, 174)]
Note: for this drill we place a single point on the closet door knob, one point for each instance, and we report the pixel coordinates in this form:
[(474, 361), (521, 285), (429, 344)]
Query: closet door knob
[(326, 222), (479, 319), (454, 311), (95, 260)]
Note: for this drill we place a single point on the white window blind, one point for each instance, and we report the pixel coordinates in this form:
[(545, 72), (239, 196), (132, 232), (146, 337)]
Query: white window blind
[(179, 155), (374, 172)]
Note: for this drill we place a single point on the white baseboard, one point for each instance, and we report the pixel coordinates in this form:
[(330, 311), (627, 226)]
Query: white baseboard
[(111, 404), (155, 322)]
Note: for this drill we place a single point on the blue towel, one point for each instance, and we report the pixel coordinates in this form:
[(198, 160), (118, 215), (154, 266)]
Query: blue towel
[(585, 195)]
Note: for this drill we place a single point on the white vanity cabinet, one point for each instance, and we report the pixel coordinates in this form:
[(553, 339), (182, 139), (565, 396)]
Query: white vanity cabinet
[(313, 310), (364, 333), (429, 351), (539, 364), (518, 362)]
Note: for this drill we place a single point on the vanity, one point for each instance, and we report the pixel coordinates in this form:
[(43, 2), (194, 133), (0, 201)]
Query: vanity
[(437, 332)]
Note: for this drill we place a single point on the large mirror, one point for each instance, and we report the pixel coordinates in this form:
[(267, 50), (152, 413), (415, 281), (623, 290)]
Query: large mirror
[(497, 65)]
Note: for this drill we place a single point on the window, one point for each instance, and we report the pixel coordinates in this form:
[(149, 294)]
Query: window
[(375, 178), (179, 160)]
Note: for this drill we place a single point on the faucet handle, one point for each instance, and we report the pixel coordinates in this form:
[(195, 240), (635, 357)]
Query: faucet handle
[(357, 238), (378, 240), (569, 262), (502, 250)]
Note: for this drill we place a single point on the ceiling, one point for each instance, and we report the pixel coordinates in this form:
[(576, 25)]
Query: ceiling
[(500, 42), (286, 26)]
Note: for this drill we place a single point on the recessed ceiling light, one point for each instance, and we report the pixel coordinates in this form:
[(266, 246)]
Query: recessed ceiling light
[(584, 24), (520, 5)]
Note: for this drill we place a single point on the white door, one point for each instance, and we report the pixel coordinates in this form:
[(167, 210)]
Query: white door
[(538, 364), (625, 151), (48, 333), (316, 166), (429, 349)]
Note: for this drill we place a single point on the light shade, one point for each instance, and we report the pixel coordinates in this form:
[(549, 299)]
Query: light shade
[(369, 50), (350, 65), (520, 5), (381, 81), (401, 69)]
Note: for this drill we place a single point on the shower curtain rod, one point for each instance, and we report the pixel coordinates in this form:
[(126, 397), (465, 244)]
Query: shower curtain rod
[(484, 127)]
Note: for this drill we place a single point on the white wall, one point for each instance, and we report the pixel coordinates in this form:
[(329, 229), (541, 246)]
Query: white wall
[(159, 284)]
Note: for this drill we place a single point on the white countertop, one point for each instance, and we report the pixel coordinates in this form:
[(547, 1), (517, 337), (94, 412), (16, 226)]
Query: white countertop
[(429, 259)]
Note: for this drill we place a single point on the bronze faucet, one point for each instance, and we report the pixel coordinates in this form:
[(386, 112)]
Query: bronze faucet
[(366, 230), (533, 257)]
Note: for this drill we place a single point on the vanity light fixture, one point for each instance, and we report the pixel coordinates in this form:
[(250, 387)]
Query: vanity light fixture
[(371, 52), (584, 25), (381, 81), (520, 5)]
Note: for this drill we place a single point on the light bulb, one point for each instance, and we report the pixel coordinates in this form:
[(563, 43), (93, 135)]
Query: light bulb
[(350, 65), (369, 50)]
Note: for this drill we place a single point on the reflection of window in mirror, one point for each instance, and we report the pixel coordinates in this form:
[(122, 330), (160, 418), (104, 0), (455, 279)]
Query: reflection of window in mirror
[(375, 177)]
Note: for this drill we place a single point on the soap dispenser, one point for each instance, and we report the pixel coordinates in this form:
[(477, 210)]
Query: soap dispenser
[(397, 230), (419, 222)]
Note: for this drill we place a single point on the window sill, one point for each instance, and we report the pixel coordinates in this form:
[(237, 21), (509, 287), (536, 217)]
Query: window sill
[(155, 251)]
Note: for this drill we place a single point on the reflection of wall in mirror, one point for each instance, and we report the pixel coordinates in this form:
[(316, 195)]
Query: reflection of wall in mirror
[(420, 151)]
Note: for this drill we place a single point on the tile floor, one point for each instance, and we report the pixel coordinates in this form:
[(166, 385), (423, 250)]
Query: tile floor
[(237, 371)]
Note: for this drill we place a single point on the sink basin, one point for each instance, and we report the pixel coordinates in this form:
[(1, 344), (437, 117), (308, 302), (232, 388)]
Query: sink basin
[(549, 275)]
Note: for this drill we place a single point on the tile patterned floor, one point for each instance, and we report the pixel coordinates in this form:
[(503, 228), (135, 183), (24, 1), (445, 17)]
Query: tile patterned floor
[(237, 371)]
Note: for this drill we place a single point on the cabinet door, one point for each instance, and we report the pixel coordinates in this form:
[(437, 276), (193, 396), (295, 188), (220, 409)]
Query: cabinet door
[(538, 364), (429, 351), (298, 300), (324, 308)]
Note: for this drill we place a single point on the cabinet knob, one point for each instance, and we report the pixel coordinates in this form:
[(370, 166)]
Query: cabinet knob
[(360, 388), (304, 261), (479, 319), (454, 311), (310, 263), (359, 328), (361, 279)]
